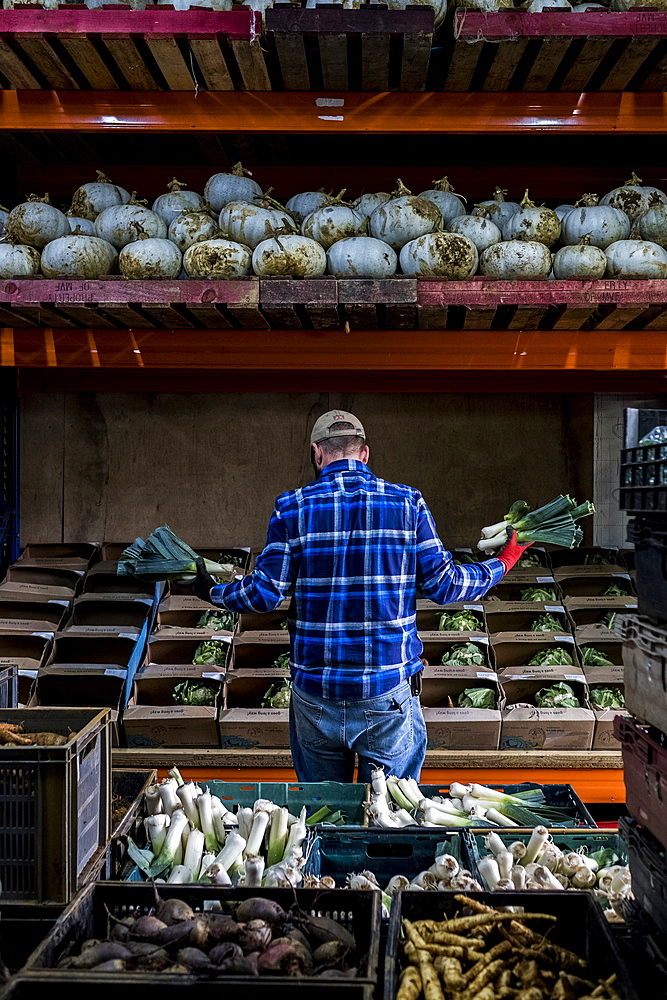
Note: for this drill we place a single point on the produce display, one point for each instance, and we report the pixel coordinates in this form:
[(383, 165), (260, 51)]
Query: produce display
[(592, 657), (195, 693), (235, 229), (477, 697), (211, 652), (538, 594), (492, 953), (217, 619), (278, 695)]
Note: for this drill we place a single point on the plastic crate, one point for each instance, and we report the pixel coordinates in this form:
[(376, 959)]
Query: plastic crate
[(645, 671), (349, 798), (651, 569), (563, 796), (9, 686), (131, 786), (580, 927), (54, 803), (87, 917), (645, 766), (567, 840), (384, 852), (648, 868), (643, 946)]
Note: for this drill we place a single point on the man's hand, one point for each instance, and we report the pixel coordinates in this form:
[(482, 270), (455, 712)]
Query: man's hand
[(203, 581), (511, 551)]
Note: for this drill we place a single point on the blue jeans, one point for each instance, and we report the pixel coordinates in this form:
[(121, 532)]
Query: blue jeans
[(387, 730)]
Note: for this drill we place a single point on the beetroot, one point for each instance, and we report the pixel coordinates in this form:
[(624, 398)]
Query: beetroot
[(257, 908)]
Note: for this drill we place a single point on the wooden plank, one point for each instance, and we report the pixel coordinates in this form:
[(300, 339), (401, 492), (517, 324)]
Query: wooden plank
[(462, 65), (588, 60), (620, 317), (361, 316), (335, 20), (209, 316), (130, 62), (509, 23), (13, 67), (126, 316), (415, 60), (89, 316), (319, 297), (478, 319), (37, 48), (656, 81), (658, 321), (547, 61), (526, 318), (431, 317), (169, 317), (42, 315), (89, 61), (11, 317), (211, 62), (401, 316), (505, 62), (69, 18), (630, 60), (252, 67), (374, 61), (333, 59), (164, 49), (292, 59)]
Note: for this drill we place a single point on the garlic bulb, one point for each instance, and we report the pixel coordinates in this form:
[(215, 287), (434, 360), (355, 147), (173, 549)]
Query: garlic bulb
[(442, 195), (582, 262), (602, 223), (361, 257), (443, 255), (525, 260), (531, 223), (481, 231), (92, 198), (250, 224), (192, 227), (217, 259), (636, 259), (403, 218), (150, 258), (18, 261), (35, 223), (220, 189), (78, 257), (633, 197), (296, 256), (170, 205), (332, 223), (122, 224)]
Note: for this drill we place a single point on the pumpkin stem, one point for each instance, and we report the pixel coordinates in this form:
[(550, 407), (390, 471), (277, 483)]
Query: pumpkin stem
[(102, 177), (268, 200), (589, 200), (400, 189), (35, 197), (499, 194), (482, 211), (238, 170), (3, 209), (442, 185), (526, 202), (176, 185), (77, 231), (585, 240), (137, 201), (633, 180)]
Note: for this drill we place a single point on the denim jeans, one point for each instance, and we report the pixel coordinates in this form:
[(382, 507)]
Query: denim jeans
[(387, 730)]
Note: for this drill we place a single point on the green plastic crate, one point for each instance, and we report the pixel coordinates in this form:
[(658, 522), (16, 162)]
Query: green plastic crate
[(348, 798)]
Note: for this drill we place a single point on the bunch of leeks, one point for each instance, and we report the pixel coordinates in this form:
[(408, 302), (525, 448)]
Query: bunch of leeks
[(554, 523), (164, 556)]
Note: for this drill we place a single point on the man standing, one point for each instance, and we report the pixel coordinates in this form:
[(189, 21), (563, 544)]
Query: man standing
[(352, 550)]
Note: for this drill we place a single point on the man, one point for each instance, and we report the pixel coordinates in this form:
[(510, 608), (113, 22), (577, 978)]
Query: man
[(352, 550)]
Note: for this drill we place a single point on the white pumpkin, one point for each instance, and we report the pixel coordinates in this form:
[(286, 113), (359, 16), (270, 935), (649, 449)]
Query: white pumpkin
[(4, 215), (123, 224), (332, 223), (496, 209), (18, 261), (562, 210), (516, 260), (633, 197), (35, 223), (187, 4), (636, 259), (220, 189), (440, 255), (603, 223), (92, 198), (219, 259), (481, 231), (83, 227), (485, 6), (367, 203), (78, 257), (294, 256), (537, 6), (301, 205), (403, 218), (442, 195), (531, 223), (582, 262), (652, 225), (192, 227), (170, 205), (150, 258), (250, 224), (361, 257), (625, 5)]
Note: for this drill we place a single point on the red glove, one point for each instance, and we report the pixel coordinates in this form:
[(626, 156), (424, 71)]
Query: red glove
[(511, 551)]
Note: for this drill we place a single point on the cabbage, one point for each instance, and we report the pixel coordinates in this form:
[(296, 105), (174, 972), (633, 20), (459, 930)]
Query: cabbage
[(559, 695), (477, 698)]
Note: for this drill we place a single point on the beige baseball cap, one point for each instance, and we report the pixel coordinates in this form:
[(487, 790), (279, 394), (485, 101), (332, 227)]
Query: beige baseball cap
[(325, 426)]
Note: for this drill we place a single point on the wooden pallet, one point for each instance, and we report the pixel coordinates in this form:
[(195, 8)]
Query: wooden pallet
[(512, 50), (400, 303)]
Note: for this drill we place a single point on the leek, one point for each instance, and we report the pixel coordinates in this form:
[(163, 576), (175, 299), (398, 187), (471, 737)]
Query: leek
[(164, 556), (156, 828), (172, 844), (167, 793), (194, 853), (553, 523), (232, 851), (186, 794), (206, 821), (277, 837)]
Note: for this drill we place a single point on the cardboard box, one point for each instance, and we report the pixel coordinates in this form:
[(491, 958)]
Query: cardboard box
[(180, 646), (608, 644), (112, 551), (184, 613), (591, 610), (246, 688), (32, 614), (81, 684), (591, 581), (154, 684), (265, 621), (458, 728), (28, 650), (25, 571), (154, 688), (429, 614), (240, 554), (518, 616), (526, 727), (512, 589), (13, 590), (576, 558), (604, 738), (102, 578), (435, 647), (245, 728), (116, 651), (58, 551), (535, 550), (174, 726), (110, 609), (258, 649), (514, 649)]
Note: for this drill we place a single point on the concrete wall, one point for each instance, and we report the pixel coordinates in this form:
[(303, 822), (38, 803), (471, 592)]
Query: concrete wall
[(110, 466)]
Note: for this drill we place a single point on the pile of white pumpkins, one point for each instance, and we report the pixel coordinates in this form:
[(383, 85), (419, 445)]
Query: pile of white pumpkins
[(235, 229)]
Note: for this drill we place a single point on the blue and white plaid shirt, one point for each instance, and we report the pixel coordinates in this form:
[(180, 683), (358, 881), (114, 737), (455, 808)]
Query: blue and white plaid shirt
[(352, 550)]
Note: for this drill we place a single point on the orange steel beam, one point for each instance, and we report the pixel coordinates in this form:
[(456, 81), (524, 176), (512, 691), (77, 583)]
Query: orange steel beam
[(305, 112)]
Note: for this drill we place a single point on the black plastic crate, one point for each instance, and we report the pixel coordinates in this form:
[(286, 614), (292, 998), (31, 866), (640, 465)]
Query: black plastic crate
[(580, 927), (645, 671), (87, 917), (643, 946), (9, 686), (648, 868), (650, 540), (130, 787), (54, 803), (563, 796), (645, 771), (22, 928), (31, 987)]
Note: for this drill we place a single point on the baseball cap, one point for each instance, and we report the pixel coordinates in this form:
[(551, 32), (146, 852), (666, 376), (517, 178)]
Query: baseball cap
[(325, 426)]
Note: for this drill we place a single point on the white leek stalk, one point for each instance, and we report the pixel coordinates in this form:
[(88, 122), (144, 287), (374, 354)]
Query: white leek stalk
[(360, 882), (546, 879), (434, 817), (232, 851), (517, 849), (621, 881), (445, 866), (444, 806), (277, 836), (179, 875), (185, 835), (551, 857), (488, 869), (153, 800), (409, 793), (494, 529), (297, 833), (398, 883), (254, 869), (167, 793), (589, 862), (218, 875), (186, 794), (169, 855), (257, 831), (156, 828), (245, 817), (583, 878), (379, 814), (518, 877), (397, 795), (194, 852), (264, 805), (426, 880), (505, 863), (535, 845), (176, 775), (220, 829), (203, 803), (403, 818), (493, 543), (493, 843), (496, 817), (457, 790), (570, 863), (379, 782), (207, 860), (504, 884)]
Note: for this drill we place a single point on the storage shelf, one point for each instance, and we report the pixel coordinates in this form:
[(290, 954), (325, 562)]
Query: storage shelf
[(311, 113)]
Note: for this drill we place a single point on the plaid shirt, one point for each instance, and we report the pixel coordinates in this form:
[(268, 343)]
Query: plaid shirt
[(352, 550)]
